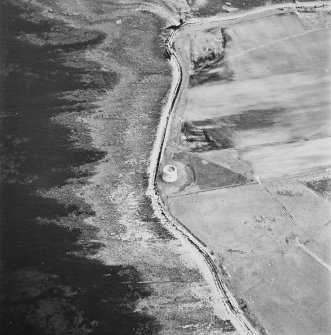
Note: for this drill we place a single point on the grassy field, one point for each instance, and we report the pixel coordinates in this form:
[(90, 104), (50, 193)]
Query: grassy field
[(269, 122)]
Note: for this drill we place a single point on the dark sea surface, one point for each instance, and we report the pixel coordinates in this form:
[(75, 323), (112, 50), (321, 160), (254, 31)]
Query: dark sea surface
[(48, 285)]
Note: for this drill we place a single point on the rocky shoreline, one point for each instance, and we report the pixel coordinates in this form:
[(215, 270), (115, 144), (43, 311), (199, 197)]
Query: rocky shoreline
[(82, 250)]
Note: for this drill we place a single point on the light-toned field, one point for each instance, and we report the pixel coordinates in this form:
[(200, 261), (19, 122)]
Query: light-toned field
[(254, 167), (252, 235), (279, 92)]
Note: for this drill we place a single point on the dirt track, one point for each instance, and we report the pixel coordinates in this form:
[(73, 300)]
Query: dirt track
[(198, 218), (82, 249)]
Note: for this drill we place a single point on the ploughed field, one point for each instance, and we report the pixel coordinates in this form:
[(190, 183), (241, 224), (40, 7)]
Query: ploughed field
[(254, 167), (276, 96)]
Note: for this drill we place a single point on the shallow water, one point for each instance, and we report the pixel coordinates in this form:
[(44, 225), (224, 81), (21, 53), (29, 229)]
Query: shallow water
[(49, 282)]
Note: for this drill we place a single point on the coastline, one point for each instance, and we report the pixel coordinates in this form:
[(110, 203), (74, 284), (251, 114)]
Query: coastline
[(106, 256), (118, 268)]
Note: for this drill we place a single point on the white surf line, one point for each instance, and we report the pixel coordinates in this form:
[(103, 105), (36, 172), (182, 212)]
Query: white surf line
[(227, 300), (311, 254)]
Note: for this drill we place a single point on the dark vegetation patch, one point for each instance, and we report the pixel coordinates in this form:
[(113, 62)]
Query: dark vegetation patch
[(209, 61), (250, 119), (48, 285), (221, 138), (289, 193), (221, 133), (201, 139), (223, 74), (147, 215), (195, 138), (208, 175), (213, 60), (225, 326), (321, 186)]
